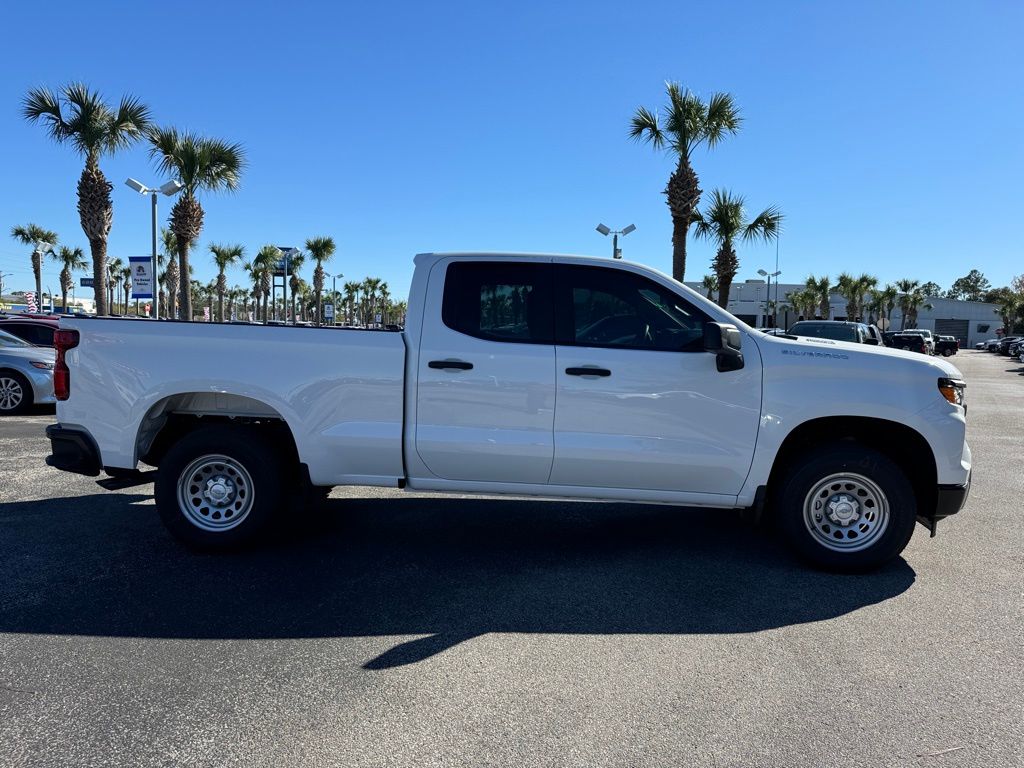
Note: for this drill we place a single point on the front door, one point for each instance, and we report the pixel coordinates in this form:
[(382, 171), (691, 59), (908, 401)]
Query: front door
[(486, 380), (640, 404)]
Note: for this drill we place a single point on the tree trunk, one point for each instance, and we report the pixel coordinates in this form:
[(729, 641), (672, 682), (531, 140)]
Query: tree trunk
[(683, 192), (186, 224), (96, 213), (726, 266), (222, 283), (37, 270)]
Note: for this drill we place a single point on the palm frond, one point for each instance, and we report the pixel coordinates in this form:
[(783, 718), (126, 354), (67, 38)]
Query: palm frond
[(42, 104), (320, 248), (644, 127), (722, 118), (128, 124), (765, 226)]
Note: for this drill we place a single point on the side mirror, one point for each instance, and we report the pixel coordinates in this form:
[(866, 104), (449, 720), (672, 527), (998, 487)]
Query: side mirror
[(871, 340), (723, 340)]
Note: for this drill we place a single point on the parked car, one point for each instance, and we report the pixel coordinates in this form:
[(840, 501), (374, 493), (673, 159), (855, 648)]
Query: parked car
[(26, 374), (34, 330), (929, 337), (992, 345), (662, 396), (1015, 347), (946, 345), (983, 344), (837, 330), (1004, 344), (914, 342)]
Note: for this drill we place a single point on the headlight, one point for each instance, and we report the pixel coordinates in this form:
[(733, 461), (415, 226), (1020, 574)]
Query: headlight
[(953, 390), (41, 365)]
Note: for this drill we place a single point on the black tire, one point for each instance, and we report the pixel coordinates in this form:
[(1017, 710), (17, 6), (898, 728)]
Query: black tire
[(251, 463), (851, 460), (947, 352), (16, 379)]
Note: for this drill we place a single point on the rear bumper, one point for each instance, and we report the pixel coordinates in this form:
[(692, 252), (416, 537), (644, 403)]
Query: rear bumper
[(73, 450)]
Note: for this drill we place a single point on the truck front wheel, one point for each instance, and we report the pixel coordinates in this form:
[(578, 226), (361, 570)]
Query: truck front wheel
[(847, 508), (218, 487)]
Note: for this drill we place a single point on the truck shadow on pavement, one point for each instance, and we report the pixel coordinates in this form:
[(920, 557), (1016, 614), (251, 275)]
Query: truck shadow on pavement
[(443, 568)]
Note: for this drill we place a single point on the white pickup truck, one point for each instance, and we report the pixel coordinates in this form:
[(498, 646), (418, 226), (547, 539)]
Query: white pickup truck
[(536, 375)]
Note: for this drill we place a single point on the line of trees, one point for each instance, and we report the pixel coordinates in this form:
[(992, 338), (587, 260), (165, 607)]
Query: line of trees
[(868, 302)]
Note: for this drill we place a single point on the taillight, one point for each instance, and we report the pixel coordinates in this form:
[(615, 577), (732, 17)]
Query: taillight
[(63, 340)]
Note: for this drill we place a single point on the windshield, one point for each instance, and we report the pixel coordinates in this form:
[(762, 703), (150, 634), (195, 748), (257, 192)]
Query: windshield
[(10, 340), (834, 331)]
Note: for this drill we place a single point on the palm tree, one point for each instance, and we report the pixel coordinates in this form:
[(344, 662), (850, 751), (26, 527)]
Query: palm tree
[(710, 285), (72, 259), (223, 256), (36, 237), (724, 222), (884, 302), (385, 302), (804, 302), (169, 247), (907, 288), (79, 116), (685, 123), (370, 287), (295, 261), (321, 249), (126, 284), (1010, 306), (201, 165), (853, 289), (822, 289), (261, 271), (351, 290), (114, 268)]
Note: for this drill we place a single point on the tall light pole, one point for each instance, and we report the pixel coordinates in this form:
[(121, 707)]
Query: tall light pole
[(616, 252), (334, 297), (42, 248), (768, 294), (169, 188)]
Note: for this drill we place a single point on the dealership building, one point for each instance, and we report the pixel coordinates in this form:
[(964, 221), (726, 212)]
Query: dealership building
[(968, 321)]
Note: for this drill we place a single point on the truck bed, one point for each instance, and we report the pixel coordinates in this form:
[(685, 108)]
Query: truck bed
[(339, 390)]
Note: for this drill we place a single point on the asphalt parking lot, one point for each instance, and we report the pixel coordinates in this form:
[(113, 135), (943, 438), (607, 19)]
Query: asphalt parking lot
[(411, 630)]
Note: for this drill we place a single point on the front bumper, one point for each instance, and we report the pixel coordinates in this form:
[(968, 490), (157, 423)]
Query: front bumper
[(73, 450), (949, 499)]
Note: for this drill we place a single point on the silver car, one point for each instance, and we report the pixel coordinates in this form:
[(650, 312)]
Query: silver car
[(26, 374)]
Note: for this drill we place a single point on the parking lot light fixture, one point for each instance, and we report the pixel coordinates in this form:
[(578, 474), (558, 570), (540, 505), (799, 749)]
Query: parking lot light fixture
[(169, 189), (604, 230)]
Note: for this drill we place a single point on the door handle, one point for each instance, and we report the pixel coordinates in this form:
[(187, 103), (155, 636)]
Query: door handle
[(588, 372), (444, 365)]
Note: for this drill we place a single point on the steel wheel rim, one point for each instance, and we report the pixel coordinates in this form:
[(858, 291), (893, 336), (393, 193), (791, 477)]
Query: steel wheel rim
[(846, 512), (11, 393), (215, 493)]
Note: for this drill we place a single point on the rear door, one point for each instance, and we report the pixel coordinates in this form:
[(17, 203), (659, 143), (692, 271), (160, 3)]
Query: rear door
[(640, 405), (486, 380)]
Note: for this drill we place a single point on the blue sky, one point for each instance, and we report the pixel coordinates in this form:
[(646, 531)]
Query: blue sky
[(889, 133)]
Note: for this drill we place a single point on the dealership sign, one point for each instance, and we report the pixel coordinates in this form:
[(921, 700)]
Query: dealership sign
[(142, 276)]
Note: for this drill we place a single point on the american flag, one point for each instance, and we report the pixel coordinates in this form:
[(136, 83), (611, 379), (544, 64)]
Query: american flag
[(30, 300)]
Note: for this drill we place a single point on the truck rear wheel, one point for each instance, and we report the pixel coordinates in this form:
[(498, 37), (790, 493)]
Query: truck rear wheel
[(218, 487), (846, 508)]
